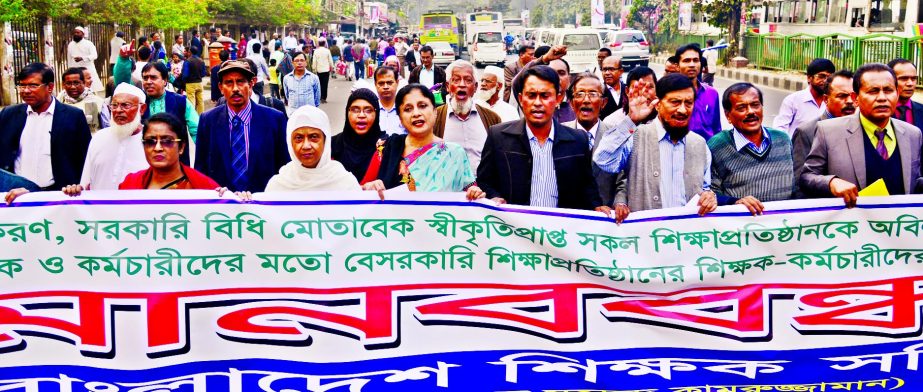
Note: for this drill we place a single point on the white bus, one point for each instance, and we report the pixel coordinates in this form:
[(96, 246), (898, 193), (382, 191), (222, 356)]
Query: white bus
[(476, 22)]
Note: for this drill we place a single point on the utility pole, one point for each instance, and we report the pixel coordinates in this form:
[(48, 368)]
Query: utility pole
[(360, 12)]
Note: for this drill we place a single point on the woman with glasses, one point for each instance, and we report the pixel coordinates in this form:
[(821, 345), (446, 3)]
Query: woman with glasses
[(419, 160), (359, 141), (162, 148)]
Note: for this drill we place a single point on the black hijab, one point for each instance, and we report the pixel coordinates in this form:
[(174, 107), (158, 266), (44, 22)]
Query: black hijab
[(351, 149)]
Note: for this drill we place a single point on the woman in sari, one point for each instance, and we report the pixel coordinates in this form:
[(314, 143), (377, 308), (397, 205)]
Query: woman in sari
[(419, 159), (162, 148), (311, 168), (357, 144)]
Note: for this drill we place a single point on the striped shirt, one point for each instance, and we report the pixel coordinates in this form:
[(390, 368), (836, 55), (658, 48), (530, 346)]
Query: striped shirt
[(672, 165), (302, 91), (245, 116), (544, 191)]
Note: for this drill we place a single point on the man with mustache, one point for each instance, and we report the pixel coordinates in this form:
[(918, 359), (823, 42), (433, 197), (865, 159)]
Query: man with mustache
[(805, 105), (537, 161), (489, 91), (751, 164), (461, 120), (839, 98), (854, 151), (662, 164), (154, 78), (907, 110), (82, 53), (587, 99), (116, 151), (241, 145)]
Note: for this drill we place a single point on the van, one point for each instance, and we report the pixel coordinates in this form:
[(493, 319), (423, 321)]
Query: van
[(582, 47), (488, 48)]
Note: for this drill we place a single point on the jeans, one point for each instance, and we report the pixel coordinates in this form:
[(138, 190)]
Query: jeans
[(274, 91), (360, 70)]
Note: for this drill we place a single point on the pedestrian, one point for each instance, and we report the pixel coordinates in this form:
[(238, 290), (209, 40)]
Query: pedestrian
[(77, 94), (223, 56), (412, 58), (537, 161), (241, 145), (355, 146), (290, 42), (323, 65), (513, 67), (427, 74), (833, 168), (808, 104), (393, 62), (178, 47), (242, 46), (274, 79), (114, 45), (461, 120), (337, 55), (40, 139), (349, 60), (360, 55), (301, 87), (81, 52), (176, 72), (711, 58), (751, 164), (488, 94), (193, 72), (196, 45), (262, 69)]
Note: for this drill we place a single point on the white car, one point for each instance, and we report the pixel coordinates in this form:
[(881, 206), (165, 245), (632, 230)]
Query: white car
[(488, 47), (582, 47), (443, 53), (631, 45)]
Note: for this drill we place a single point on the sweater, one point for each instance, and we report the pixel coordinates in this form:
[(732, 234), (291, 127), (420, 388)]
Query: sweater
[(736, 174)]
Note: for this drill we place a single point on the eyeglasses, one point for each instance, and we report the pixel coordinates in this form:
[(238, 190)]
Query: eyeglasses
[(123, 106), (29, 87), (584, 94), (73, 84), (165, 143), (357, 110)]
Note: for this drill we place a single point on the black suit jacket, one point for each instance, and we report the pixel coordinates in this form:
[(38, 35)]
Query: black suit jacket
[(917, 109), (439, 77), (70, 138), (268, 146), (611, 106), (265, 101), (506, 166)]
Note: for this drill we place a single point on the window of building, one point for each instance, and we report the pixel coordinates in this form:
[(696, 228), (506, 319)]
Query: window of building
[(785, 14), (888, 14), (837, 11), (821, 12)]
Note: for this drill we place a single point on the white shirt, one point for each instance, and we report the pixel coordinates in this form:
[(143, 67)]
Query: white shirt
[(711, 57), (428, 76), (323, 60), (136, 74), (109, 160), (390, 121), (616, 94), (34, 159), (87, 52), (506, 111), (262, 74), (470, 134), (289, 43), (114, 44)]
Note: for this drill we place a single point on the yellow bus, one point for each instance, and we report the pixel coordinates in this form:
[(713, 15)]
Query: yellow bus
[(441, 26)]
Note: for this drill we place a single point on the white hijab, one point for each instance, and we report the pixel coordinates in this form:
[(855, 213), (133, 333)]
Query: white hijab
[(329, 175)]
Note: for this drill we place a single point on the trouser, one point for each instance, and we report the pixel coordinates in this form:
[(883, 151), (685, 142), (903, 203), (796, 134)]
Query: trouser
[(360, 69), (194, 93), (274, 91), (324, 81), (258, 88), (709, 79)]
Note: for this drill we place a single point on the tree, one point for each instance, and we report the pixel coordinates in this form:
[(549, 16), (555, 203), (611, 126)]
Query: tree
[(724, 13)]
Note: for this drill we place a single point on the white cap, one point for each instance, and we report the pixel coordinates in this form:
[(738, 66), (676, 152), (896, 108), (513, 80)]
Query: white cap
[(496, 71), (126, 88), (81, 29)]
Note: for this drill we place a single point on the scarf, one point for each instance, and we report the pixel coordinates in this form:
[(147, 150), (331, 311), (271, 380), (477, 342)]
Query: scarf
[(353, 150), (63, 97), (329, 175)]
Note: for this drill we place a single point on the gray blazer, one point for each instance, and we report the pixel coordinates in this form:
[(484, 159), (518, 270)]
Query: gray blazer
[(802, 140), (839, 151)]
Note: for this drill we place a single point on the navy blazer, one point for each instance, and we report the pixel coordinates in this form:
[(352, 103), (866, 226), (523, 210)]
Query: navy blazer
[(506, 166), (268, 146), (70, 139)]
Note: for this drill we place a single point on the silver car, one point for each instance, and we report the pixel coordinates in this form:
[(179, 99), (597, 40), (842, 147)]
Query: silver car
[(631, 45), (443, 53)]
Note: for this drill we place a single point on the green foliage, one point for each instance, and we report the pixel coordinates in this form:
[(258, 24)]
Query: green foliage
[(724, 14), (557, 13)]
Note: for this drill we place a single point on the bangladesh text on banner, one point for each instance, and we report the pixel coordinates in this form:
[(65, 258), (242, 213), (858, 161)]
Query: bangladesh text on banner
[(339, 292)]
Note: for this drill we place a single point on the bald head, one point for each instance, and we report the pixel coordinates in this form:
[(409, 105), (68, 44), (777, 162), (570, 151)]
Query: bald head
[(612, 70)]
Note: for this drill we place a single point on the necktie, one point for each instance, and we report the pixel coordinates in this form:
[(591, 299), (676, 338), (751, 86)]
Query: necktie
[(238, 155), (902, 113), (591, 138), (880, 147)]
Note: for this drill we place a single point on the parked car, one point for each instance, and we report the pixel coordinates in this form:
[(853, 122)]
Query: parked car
[(582, 47), (488, 47), (443, 53), (631, 45)]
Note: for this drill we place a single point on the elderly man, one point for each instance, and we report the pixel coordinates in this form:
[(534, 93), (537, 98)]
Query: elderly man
[(488, 94), (537, 161), (852, 152), (154, 79), (661, 164), (840, 101), (241, 145), (77, 94), (751, 164), (82, 53), (805, 105), (115, 151), (461, 120), (513, 67), (40, 139), (587, 100)]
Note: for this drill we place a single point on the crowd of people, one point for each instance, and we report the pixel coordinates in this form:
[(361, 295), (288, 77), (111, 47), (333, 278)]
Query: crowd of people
[(529, 134)]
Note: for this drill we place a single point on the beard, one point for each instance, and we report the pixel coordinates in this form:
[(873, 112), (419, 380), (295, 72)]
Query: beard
[(676, 133), (461, 107), (123, 132), (485, 95), (77, 38)]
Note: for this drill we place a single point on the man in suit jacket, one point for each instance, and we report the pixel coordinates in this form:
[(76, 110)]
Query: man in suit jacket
[(241, 145), (42, 139), (875, 146), (907, 110), (615, 91), (427, 74), (537, 161), (839, 100)]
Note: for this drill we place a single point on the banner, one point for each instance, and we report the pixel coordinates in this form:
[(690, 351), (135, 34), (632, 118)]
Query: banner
[(183, 291), (598, 15), (685, 16)]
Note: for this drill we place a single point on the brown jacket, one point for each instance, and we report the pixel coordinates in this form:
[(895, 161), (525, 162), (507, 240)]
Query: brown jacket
[(488, 118)]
